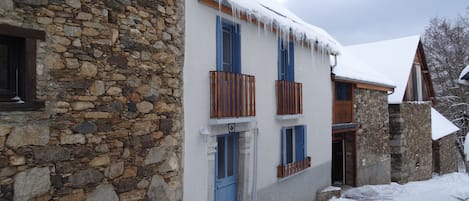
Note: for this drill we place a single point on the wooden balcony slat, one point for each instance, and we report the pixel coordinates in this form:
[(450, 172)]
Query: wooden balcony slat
[(217, 84), (232, 95), (289, 97), (293, 168), (254, 95)]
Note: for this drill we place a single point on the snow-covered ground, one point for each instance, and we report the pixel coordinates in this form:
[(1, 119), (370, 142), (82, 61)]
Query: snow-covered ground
[(454, 186)]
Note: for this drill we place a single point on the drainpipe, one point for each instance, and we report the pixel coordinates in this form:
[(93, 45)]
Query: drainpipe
[(254, 164)]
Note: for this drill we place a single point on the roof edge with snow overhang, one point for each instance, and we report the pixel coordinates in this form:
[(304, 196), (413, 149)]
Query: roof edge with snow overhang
[(271, 15), (347, 79), (394, 58), (441, 126), (352, 69)]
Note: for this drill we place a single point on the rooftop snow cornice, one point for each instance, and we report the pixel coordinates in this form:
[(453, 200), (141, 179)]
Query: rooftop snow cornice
[(273, 16)]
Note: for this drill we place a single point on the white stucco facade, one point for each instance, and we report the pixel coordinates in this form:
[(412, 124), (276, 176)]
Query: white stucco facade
[(258, 58)]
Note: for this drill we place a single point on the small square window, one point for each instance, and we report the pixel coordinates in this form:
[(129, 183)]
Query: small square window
[(343, 91), (10, 69), (18, 68)]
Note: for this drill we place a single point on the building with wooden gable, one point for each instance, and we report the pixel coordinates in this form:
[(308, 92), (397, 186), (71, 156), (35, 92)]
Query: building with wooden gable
[(360, 129), (410, 105), (257, 103)]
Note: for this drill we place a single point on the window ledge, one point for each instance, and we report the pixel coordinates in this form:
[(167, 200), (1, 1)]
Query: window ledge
[(289, 116), (286, 171), (231, 120), (26, 106), (280, 180)]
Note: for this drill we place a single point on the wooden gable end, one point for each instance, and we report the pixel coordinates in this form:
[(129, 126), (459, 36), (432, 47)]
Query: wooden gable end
[(419, 84)]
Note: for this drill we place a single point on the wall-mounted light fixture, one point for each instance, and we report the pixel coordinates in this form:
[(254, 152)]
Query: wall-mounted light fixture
[(204, 132)]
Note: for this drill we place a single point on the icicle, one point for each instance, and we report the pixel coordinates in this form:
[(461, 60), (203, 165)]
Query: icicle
[(233, 12)]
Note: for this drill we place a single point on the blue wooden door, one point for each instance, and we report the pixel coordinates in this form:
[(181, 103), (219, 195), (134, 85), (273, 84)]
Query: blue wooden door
[(225, 168)]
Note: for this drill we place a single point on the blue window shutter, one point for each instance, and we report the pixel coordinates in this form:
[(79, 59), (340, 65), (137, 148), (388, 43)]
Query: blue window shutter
[(279, 58), (284, 146), (291, 62), (237, 49), (219, 41), (299, 143), (305, 139)]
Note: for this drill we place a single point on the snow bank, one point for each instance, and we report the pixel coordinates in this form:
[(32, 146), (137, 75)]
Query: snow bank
[(274, 15), (441, 126), (447, 187)]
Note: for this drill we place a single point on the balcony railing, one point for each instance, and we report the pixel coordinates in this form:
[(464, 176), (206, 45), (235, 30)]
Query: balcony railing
[(292, 168), (289, 97), (343, 112), (232, 95)]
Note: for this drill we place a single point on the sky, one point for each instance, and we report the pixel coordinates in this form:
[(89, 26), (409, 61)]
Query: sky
[(361, 21)]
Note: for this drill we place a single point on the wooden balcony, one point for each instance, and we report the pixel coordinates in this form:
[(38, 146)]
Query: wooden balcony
[(289, 97), (343, 112), (232, 95), (292, 168)]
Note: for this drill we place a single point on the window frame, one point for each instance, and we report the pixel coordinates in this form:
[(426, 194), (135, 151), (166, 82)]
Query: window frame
[(25, 86), (295, 154), (286, 69), (346, 88), (223, 25), (13, 58)]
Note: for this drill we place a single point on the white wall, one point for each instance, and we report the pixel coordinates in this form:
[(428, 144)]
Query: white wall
[(259, 58)]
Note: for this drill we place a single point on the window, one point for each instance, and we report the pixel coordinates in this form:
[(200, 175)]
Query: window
[(293, 144), (18, 67), (343, 91), (10, 57), (417, 82), (416, 89), (286, 62), (228, 46)]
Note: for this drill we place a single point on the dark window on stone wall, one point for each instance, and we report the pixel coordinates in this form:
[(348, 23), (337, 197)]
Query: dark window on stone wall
[(18, 68), (343, 91), (11, 51)]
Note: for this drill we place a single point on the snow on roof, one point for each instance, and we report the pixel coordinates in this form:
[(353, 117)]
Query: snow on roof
[(464, 77), (273, 14), (350, 68), (441, 126), (392, 58)]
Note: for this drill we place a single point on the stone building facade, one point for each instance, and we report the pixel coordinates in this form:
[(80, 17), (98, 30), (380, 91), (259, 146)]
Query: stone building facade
[(110, 76), (373, 152), (445, 155), (410, 141)]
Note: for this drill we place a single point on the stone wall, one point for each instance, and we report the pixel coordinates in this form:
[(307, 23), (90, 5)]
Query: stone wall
[(373, 152), (411, 142), (110, 74), (445, 155)]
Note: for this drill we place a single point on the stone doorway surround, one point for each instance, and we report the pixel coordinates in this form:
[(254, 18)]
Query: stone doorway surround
[(245, 158)]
